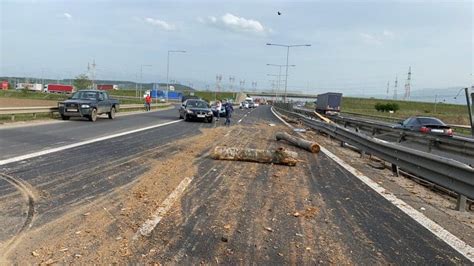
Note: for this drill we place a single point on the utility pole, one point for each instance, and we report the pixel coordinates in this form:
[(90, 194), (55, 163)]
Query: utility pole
[(287, 57), (168, 70), (141, 81), (93, 73), (254, 85), (407, 86), (218, 81), (242, 85), (388, 89), (231, 81), (469, 107), (395, 88)]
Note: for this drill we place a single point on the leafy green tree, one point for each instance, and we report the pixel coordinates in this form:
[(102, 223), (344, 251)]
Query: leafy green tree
[(82, 82)]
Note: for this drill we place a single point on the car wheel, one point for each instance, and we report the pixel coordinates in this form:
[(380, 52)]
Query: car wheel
[(186, 118), (180, 116), (112, 113), (93, 116), (65, 117)]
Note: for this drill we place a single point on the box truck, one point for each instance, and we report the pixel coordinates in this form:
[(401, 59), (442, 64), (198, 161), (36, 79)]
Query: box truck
[(329, 103)]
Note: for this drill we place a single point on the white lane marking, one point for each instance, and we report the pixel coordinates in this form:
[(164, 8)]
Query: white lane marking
[(74, 145), (457, 244), (150, 224)]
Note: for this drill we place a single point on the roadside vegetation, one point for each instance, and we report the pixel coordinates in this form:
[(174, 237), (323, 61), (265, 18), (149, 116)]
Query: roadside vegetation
[(211, 96), (25, 94), (449, 113)]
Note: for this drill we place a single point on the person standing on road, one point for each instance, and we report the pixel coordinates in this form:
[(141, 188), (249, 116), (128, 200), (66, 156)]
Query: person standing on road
[(218, 109), (228, 112), (148, 102)]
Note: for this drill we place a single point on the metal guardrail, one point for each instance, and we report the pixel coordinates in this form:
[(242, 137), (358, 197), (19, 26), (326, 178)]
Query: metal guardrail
[(54, 109), (458, 145), (395, 119), (445, 172)]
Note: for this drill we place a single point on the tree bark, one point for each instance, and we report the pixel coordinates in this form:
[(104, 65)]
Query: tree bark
[(299, 142), (279, 156)]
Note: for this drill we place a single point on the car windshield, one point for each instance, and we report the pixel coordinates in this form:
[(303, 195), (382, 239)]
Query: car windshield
[(197, 104), (83, 95), (430, 121)]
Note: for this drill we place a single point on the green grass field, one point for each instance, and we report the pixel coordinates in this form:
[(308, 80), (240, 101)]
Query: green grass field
[(449, 113), (24, 94), (211, 96)]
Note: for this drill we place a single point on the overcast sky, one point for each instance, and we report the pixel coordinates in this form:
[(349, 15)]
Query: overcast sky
[(356, 45)]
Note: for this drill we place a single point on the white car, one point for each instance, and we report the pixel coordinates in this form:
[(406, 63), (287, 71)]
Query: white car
[(244, 104), (256, 104)]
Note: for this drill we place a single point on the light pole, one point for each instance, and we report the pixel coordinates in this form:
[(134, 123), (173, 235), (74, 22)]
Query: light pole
[(288, 46), (141, 78), (279, 73), (168, 70)]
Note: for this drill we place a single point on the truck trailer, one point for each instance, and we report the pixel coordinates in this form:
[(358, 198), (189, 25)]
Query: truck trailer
[(29, 86), (59, 88), (329, 103), (106, 87)]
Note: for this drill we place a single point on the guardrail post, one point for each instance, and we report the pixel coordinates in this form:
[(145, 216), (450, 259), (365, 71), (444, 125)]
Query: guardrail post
[(461, 203), (430, 146), (395, 170), (13, 117)]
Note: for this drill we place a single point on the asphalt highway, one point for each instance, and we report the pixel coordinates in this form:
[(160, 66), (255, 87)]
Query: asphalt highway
[(15, 141), (365, 228)]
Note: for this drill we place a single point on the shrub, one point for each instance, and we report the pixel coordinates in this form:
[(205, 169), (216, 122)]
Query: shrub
[(380, 107)]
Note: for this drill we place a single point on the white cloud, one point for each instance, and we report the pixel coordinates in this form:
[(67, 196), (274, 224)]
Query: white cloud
[(161, 24), (370, 39), (377, 38), (235, 23), (67, 16), (388, 34)]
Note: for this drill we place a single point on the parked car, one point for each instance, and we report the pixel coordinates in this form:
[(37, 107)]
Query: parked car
[(244, 104), (89, 104), (161, 100), (196, 110), (428, 125)]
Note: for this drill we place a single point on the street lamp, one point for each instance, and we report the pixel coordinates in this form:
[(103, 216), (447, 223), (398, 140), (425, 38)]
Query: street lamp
[(287, 55), (168, 70), (141, 77), (279, 73)]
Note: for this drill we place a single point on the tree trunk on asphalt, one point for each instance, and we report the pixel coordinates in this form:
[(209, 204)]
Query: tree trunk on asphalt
[(299, 142), (279, 156)]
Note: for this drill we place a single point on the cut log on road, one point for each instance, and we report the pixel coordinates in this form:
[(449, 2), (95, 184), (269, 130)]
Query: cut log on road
[(279, 156), (289, 120), (299, 142)]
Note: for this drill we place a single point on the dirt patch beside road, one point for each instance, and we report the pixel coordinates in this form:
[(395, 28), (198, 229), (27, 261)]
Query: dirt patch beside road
[(15, 102)]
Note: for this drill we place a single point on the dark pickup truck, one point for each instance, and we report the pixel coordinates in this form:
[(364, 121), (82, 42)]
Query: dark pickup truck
[(89, 104)]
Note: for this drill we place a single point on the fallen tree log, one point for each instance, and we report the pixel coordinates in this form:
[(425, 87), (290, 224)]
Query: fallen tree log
[(289, 120), (279, 156), (299, 142)]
